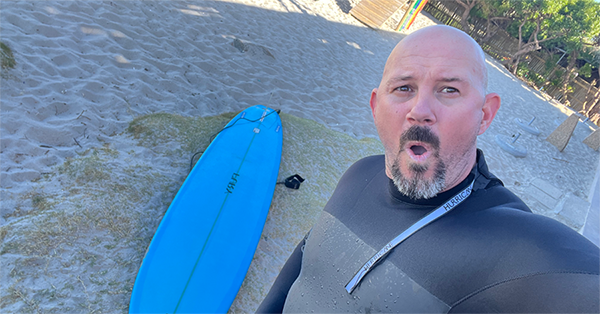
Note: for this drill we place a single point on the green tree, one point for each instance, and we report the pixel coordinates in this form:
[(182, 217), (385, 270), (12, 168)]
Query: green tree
[(569, 24), (583, 24), (494, 11), (538, 21), (468, 5)]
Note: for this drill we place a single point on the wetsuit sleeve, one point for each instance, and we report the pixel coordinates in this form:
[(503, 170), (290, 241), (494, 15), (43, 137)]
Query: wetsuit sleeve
[(560, 292), (275, 299)]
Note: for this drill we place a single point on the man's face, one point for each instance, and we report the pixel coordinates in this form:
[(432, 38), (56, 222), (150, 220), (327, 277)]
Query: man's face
[(428, 110)]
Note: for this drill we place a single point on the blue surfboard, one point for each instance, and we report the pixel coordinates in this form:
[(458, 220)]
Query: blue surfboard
[(203, 247)]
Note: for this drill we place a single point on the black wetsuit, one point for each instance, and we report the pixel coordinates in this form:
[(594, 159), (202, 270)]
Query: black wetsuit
[(489, 254)]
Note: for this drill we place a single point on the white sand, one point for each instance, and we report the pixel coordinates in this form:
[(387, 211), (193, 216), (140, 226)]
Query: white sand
[(85, 70)]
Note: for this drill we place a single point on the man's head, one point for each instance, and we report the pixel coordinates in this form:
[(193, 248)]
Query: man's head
[(429, 109)]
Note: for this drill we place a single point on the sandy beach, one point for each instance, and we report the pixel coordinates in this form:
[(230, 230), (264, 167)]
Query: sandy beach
[(110, 99)]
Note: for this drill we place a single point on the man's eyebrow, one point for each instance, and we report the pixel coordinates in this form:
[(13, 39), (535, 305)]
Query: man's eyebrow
[(404, 78), (451, 79), (396, 79)]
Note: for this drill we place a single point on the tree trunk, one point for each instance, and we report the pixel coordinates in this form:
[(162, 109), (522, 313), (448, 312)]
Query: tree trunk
[(589, 98), (488, 28), (464, 19), (532, 45), (594, 109), (488, 33), (569, 72), (515, 63), (594, 103)]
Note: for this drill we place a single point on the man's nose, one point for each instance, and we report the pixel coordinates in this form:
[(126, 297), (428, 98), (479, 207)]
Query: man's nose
[(421, 112)]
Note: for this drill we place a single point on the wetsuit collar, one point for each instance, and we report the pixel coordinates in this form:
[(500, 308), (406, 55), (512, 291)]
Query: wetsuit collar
[(480, 172)]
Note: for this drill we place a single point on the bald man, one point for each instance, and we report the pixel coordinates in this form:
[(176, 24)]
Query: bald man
[(427, 227)]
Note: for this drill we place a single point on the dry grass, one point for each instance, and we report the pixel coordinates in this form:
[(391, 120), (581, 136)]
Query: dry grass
[(77, 248), (88, 239), (163, 128), (7, 59), (99, 224)]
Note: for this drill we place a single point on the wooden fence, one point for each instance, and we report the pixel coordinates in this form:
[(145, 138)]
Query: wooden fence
[(500, 45)]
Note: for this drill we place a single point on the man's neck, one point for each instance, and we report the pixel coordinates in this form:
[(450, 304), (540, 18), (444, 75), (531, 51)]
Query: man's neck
[(460, 171)]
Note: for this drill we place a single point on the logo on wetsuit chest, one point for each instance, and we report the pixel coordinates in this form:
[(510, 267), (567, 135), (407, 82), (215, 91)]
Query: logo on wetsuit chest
[(232, 182), (457, 199)]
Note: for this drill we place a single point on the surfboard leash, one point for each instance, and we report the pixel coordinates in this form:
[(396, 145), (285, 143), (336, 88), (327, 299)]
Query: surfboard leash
[(293, 182), (243, 118)]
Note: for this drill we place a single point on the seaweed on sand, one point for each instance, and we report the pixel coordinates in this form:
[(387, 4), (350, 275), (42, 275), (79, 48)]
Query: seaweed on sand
[(7, 57)]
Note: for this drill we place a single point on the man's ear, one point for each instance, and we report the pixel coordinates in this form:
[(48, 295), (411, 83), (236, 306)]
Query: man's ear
[(373, 101), (490, 108)]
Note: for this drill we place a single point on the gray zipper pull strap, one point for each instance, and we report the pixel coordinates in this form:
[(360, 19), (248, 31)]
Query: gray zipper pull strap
[(437, 213)]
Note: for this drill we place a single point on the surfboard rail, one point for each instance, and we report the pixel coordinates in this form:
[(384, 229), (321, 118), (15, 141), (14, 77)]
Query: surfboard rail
[(201, 251)]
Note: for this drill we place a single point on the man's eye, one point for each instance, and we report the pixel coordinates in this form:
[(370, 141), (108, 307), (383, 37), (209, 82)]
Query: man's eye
[(403, 88), (449, 90)]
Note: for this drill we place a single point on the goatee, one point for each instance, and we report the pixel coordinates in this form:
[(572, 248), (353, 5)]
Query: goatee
[(418, 187)]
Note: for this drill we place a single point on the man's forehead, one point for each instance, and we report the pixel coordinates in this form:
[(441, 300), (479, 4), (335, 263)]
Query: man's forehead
[(450, 72), (442, 51), (440, 65), (440, 56)]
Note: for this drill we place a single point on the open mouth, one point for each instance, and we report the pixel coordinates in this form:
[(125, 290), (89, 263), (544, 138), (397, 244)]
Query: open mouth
[(418, 152)]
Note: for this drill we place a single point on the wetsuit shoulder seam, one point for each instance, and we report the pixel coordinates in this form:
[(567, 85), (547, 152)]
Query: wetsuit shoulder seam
[(368, 181), (493, 285), (375, 174)]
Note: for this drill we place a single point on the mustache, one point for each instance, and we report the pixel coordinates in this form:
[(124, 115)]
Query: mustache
[(420, 134)]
